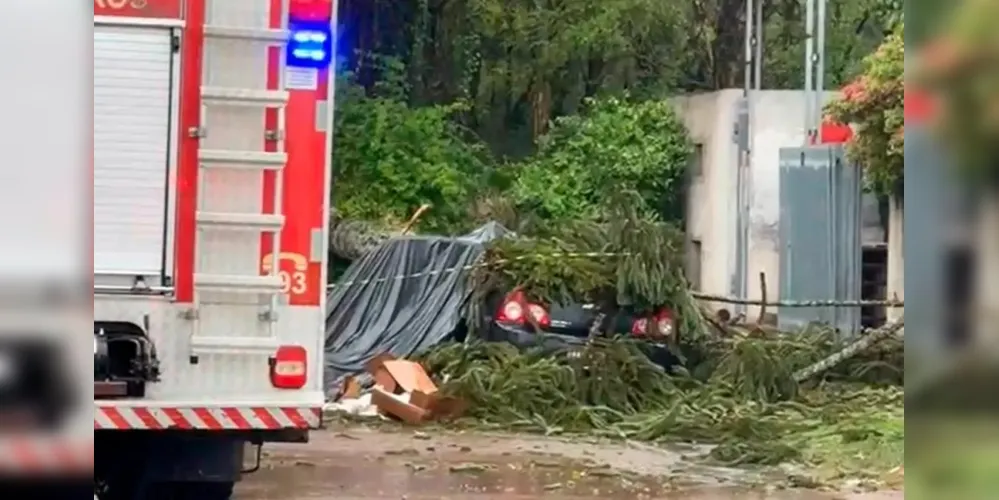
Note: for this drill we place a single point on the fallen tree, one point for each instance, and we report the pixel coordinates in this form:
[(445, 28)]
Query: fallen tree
[(625, 258), (741, 396), (761, 397), (350, 239)]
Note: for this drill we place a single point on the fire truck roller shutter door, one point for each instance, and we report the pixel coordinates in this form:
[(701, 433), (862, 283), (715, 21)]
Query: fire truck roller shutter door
[(134, 79)]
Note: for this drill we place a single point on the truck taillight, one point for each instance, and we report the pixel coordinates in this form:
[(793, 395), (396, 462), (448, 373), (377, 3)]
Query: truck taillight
[(290, 367)]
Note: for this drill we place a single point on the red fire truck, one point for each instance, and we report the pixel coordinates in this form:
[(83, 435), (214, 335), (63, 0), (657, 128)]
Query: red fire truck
[(212, 177)]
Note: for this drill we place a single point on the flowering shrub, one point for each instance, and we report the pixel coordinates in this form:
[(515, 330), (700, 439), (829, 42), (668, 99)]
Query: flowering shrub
[(874, 105), (959, 69)]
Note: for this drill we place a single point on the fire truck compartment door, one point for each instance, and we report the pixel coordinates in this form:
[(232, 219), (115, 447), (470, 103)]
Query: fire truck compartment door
[(133, 101)]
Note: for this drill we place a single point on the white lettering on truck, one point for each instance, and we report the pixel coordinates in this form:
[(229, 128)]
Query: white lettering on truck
[(121, 4)]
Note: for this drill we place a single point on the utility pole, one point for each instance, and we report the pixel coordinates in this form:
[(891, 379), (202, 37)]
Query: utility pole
[(752, 80), (815, 61), (815, 55)]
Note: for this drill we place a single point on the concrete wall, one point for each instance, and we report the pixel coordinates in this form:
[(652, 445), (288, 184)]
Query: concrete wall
[(711, 210), (777, 122)]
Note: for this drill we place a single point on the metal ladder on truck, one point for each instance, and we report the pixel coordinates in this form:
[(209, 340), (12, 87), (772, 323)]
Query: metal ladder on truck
[(262, 294)]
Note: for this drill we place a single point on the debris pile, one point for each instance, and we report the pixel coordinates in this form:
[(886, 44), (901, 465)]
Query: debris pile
[(402, 390), (760, 397), (741, 396)]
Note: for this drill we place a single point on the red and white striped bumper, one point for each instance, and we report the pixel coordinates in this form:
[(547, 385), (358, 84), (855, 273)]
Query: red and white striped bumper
[(42, 456), (217, 418)]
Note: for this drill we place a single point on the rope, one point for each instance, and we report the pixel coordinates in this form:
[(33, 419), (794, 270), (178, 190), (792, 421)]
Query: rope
[(797, 303), (599, 255), (465, 268)]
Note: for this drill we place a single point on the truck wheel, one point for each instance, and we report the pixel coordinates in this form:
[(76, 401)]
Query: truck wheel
[(209, 491), (192, 491)]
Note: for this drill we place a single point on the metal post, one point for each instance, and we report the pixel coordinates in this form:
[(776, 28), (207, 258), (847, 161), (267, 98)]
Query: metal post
[(748, 56), (809, 67), (743, 196), (753, 80), (820, 62), (758, 42)]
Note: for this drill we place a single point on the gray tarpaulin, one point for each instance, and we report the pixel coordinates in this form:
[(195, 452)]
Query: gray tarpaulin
[(399, 299)]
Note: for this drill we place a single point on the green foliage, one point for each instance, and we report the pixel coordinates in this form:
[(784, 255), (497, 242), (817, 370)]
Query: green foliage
[(390, 158), (520, 63), (854, 28), (748, 405), (543, 39), (874, 105), (640, 264), (614, 145)]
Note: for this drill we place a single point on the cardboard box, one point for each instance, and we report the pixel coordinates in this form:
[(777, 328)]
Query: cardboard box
[(351, 389), (383, 379), (404, 390), (395, 405)]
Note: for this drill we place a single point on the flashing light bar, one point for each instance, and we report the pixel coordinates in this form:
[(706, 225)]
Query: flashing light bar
[(310, 44)]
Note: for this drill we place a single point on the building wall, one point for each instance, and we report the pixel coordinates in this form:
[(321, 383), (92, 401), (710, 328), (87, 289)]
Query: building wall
[(777, 121), (711, 206)]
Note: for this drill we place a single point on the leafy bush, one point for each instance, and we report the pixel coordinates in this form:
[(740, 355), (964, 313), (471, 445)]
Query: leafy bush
[(614, 145), (874, 105), (390, 158)]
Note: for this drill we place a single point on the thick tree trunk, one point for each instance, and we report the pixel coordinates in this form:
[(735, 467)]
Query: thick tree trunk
[(350, 239)]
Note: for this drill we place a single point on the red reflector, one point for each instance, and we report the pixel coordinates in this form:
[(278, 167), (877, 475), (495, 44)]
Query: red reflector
[(290, 368)]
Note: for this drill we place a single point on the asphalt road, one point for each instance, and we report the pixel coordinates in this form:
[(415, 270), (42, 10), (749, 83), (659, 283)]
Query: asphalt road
[(359, 463)]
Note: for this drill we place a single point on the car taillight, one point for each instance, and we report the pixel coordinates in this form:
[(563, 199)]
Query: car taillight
[(289, 368), (513, 309), (640, 327), (663, 321), (539, 315)]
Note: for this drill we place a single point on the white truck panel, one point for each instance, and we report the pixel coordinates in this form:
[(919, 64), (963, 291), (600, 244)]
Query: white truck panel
[(134, 74), (216, 378)]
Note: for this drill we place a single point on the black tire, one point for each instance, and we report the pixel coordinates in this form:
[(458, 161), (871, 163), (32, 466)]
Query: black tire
[(191, 491), (47, 490)]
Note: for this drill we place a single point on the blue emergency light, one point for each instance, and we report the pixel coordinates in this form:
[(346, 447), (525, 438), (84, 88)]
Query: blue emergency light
[(310, 44)]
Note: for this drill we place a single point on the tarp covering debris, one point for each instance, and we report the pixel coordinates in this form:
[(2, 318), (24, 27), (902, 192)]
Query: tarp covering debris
[(372, 310)]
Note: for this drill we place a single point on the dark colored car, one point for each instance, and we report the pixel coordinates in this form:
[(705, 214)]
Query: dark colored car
[(514, 319)]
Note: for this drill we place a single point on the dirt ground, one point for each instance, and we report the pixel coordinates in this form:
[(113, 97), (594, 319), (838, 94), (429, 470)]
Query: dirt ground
[(367, 463)]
